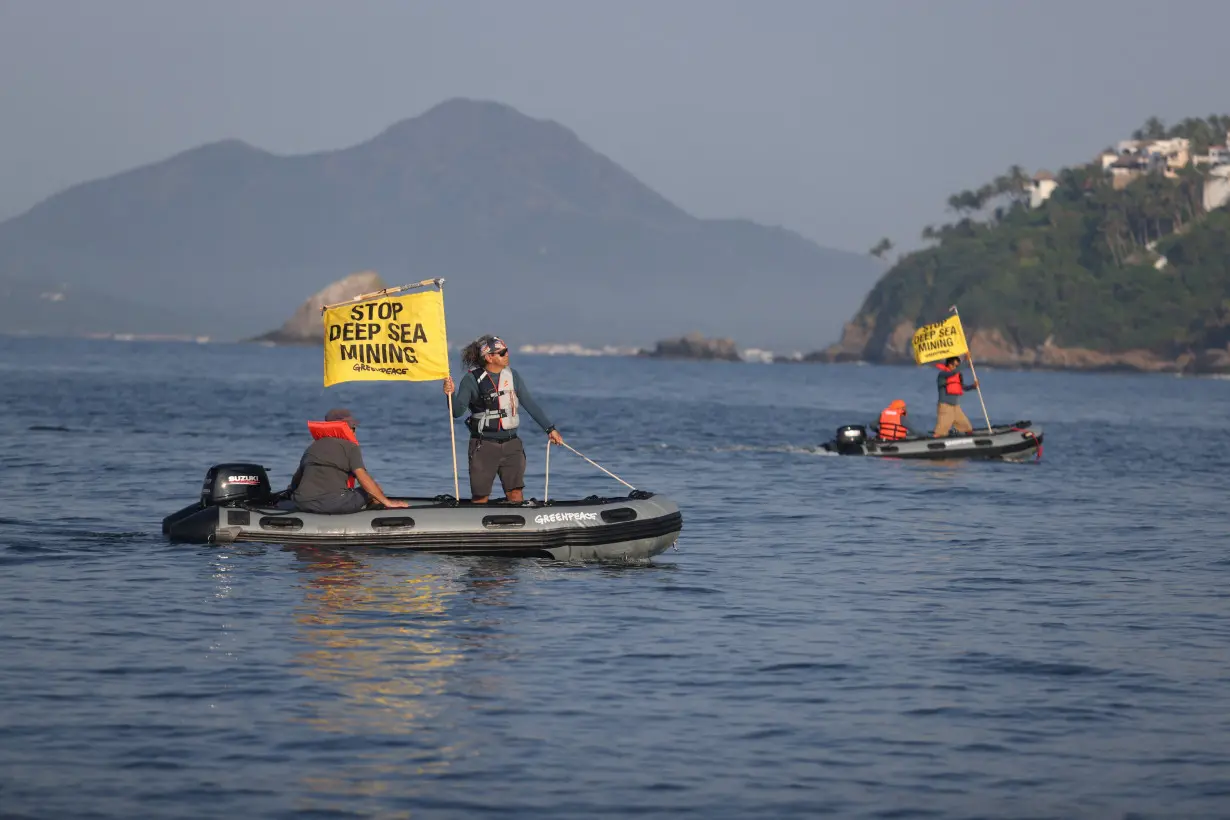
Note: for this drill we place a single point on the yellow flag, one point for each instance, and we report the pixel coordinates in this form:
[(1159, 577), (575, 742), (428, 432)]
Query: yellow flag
[(395, 338), (939, 341)]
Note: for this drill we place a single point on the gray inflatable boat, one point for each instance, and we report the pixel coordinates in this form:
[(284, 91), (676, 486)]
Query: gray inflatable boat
[(237, 504), (1019, 441)]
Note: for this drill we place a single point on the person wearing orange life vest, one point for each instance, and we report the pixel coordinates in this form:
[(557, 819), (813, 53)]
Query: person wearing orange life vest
[(892, 422), (951, 387), (324, 482)]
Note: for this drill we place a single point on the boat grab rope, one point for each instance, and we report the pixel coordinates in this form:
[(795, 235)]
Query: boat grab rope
[(1030, 434), (547, 482)]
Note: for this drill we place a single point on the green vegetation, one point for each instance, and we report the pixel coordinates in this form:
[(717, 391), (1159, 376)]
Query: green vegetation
[(1202, 133), (1080, 269), (880, 248)]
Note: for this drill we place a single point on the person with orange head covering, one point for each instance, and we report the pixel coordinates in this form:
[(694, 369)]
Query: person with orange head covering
[(330, 467), (892, 422)]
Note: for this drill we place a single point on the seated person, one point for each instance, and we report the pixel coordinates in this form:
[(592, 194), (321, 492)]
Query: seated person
[(324, 482), (892, 422)]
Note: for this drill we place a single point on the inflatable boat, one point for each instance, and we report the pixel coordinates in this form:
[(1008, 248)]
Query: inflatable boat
[(237, 504), (1019, 441)]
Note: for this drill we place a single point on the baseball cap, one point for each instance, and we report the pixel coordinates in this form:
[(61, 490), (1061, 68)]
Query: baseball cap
[(492, 344), (341, 414)]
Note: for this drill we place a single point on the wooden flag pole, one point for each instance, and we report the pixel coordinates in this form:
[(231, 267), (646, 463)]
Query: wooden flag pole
[(974, 373), (452, 425), (376, 294), (452, 437)]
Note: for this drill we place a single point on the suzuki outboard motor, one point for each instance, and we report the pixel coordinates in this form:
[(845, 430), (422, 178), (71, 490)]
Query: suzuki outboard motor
[(850, 438), (228, 485)]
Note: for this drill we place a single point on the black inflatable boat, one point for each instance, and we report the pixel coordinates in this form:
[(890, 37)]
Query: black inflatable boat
[(1019, 441)]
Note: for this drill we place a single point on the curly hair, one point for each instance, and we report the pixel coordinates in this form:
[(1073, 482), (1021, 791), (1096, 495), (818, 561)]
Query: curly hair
[(472, 355)]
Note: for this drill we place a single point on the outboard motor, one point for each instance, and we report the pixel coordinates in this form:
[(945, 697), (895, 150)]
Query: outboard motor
[(850, 439), (228, 485)]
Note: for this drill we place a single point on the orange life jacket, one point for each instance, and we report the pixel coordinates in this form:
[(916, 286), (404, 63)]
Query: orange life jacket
[(333, 429), (952, 383), (891, 428)]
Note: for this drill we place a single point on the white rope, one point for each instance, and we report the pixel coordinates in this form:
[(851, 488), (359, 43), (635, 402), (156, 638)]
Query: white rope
[(547, 482), (599, 466)]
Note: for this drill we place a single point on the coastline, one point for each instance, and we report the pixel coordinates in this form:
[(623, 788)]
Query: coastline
[(1047, 358)]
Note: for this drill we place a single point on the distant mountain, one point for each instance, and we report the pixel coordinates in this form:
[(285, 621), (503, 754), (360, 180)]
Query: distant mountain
[(539, 237)]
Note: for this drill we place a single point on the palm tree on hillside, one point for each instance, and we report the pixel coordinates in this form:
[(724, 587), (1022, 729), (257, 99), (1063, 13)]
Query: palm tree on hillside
[(881, 248)]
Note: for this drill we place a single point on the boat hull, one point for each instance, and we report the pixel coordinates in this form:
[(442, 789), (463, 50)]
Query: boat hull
[(1021, 441), (633, 528)]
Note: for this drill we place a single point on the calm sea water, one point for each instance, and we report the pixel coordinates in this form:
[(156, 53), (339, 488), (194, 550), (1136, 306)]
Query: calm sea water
[(834, 636)]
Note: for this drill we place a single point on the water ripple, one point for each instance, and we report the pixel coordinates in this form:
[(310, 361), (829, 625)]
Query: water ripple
[(835, 637)]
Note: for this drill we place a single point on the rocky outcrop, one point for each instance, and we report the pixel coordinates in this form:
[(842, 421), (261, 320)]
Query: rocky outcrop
[(860, 342), (695, 346), (992, 347), (306, 326)]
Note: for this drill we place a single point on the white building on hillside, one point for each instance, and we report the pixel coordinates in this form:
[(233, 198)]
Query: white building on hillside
[(1133, 157), (1217, 187), (1041, 187), (1217, 155)]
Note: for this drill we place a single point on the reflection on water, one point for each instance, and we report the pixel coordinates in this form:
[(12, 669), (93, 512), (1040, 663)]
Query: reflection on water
[(382, 640), (385, 635)]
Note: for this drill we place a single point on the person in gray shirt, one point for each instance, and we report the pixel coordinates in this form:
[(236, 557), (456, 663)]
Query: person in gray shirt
[(494, 394), (322, 482), (951, 387)]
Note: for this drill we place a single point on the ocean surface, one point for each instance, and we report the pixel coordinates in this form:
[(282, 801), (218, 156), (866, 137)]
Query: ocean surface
[(833, 636)]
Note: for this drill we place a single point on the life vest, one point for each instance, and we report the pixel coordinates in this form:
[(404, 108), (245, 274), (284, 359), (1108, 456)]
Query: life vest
[(952, 382), (333, 429), (891, 428), (496, 406)]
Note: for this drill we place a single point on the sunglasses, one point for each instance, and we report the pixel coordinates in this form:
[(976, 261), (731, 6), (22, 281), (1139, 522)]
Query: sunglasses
[(503, 352)]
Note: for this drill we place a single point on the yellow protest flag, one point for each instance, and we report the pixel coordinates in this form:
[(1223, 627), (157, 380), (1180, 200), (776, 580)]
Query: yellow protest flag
[(393, 338), (939, 341)]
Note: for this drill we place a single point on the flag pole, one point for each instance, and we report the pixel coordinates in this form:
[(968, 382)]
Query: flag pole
[(452, 422), (974, 373), (452, 437), (376, 294)]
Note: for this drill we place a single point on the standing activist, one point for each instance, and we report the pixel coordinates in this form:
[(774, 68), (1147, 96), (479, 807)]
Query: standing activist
[(951, 387), (494, 394)]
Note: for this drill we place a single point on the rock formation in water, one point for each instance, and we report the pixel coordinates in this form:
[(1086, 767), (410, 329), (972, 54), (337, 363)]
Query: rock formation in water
[(695, 346), (307, 326)]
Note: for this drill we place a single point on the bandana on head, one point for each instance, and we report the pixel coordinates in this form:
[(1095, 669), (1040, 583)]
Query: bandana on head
[(491, 344)]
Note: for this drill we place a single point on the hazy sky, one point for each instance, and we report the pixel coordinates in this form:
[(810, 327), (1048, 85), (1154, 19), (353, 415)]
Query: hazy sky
[(843, 121)]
